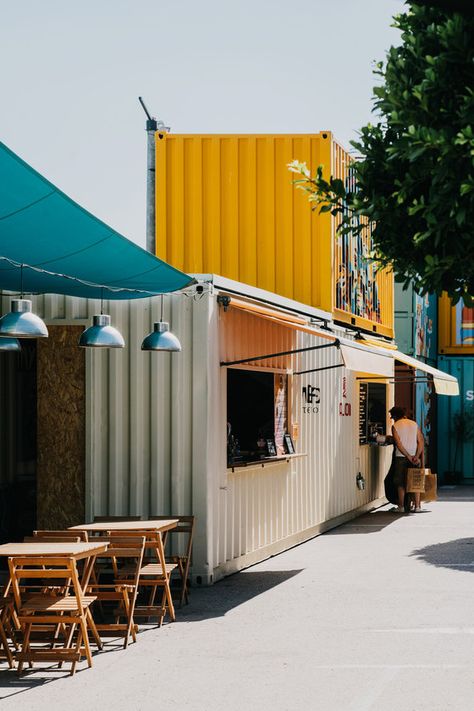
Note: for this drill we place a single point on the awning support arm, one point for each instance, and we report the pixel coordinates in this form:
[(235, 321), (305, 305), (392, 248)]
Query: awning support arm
[(333, 344), (316, 370)]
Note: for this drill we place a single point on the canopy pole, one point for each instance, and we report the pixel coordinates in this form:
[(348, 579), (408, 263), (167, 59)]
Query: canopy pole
[(333, 344)]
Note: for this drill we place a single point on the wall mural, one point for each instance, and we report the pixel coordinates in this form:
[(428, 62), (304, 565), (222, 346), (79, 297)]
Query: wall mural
[(356, 274), (424, 317), (423, 410), (464, 325)]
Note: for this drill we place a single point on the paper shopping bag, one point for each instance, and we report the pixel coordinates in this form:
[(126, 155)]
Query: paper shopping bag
[(416, 480), (431, 488)]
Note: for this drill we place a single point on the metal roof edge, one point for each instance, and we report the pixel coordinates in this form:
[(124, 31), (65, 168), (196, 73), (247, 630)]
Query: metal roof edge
[(268, 297)]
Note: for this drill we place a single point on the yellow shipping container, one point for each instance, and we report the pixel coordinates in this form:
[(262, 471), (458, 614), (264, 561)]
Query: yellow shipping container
[(226, 204), (455, 327)]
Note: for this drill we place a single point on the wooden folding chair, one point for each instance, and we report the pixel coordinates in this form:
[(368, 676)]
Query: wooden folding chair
[(5, 610), (124, 556), (154, 574), (40, 536), (184, 547), (70, 611), (52, 539), (44, 585), (66, 535)]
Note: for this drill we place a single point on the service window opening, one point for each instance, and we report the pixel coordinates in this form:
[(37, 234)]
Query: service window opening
[(256, 415), (372, 411)]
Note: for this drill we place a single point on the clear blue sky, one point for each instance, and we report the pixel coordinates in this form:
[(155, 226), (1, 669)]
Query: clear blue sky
[(72, 71)]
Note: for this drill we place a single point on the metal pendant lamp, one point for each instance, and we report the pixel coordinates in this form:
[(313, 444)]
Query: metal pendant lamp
[(101, 334), (161, 338), (10, 344), (21, 322)]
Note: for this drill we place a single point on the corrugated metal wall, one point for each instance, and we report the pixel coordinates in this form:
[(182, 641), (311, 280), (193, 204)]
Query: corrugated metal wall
[(448, 408), (226, 204), (137, 440), (265, 509)]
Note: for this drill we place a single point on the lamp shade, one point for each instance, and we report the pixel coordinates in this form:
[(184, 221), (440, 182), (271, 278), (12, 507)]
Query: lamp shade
[(9, 344), (161, 339), (101, 334), (21, 322)]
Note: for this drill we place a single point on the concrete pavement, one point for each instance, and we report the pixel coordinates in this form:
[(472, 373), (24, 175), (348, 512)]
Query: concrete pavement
[(374, 615)]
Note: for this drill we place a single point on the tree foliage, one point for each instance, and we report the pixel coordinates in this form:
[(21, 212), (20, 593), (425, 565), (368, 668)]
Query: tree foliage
[(415, 177)]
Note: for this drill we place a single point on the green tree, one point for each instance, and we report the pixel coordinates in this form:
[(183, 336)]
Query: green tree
[(414, 181)]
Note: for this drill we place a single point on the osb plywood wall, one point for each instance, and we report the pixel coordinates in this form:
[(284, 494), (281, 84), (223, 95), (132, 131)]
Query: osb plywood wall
[(61, 429)]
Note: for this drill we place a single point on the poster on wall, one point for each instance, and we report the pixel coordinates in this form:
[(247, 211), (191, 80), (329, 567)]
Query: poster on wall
[(423, 412), (280, 388), (363, 414), (464, 325)]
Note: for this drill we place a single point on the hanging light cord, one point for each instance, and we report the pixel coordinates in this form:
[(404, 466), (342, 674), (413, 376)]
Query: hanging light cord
[(112, 289), (161, 315)]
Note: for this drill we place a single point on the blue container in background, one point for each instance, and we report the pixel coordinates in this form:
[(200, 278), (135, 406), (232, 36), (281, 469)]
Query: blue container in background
[(456, 446), (416, 324), (416, 335)]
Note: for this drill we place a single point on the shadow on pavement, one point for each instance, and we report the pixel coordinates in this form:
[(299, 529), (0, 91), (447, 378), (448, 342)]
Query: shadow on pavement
[(11, 684), (229, 593), (455, 555), (205, 603), (456, 493), (372, 522)]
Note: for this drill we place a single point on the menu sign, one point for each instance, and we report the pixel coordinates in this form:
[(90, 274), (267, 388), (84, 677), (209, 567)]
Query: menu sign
[(363, 413)]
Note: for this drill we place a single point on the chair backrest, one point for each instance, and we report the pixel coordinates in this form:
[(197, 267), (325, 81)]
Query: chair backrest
[(185, 526), (153, 544), (43, 568), (67, 535), (104, 519), (121, 551), (52, 539)]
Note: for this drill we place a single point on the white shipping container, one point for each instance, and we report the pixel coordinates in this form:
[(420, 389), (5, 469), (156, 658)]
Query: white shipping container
[(156, 425)]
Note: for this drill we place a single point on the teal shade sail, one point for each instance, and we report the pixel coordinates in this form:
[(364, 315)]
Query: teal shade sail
[(64, 248)]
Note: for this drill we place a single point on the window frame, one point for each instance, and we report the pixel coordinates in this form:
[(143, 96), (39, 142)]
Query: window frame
[(261, 461)]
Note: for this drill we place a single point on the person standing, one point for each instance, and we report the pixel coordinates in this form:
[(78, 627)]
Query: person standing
[(409, 452)]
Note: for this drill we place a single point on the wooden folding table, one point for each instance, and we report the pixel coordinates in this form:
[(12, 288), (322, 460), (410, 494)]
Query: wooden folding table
[(22, 562), (152, 575)]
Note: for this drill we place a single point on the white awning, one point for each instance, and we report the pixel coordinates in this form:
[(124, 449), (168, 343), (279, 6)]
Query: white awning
[(366, 360), (444, 384)]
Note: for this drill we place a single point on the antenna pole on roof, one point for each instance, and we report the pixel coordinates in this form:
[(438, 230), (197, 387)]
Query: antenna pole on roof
[(151, 127)]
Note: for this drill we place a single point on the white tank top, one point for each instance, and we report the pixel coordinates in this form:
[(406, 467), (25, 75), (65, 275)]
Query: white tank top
[(407, 430)]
